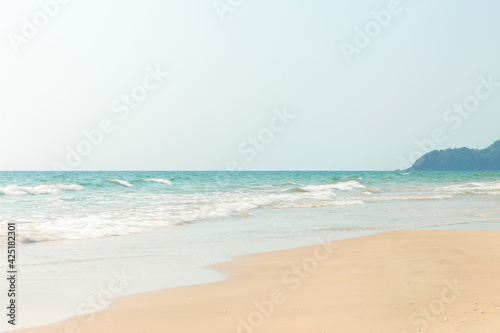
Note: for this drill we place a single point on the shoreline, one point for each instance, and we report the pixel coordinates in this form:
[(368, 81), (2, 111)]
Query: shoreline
[(397, 281), (61, 280)]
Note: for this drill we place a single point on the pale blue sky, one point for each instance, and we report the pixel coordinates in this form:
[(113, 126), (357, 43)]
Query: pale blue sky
[(227, 78)]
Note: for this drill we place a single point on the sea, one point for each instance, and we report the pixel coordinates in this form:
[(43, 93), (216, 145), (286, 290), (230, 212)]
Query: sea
[(77, 231)]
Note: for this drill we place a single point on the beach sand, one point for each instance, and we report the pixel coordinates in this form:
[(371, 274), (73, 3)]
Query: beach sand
[(402, 281)]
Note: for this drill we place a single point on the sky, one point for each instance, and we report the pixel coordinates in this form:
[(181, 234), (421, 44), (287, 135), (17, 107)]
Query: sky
[(244, 84)]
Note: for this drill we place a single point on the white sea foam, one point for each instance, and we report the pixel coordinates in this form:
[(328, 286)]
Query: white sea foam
[(40, 189), (411, 198), (280, 184), (162, 181), (487, 214), (104, 211), (287, 183), (79, 228), (489, 188), (121, 182), (112, 220), (319, 204), (342, 186)]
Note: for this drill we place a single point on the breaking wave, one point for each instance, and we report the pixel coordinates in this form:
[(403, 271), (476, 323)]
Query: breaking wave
[(342, 186), (40, 189), (121, 182), (161, 181)]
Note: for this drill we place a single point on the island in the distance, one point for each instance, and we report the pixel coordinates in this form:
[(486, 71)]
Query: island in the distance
[(460, 159)]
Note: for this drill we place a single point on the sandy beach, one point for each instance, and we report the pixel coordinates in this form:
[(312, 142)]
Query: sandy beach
[(402, 281)]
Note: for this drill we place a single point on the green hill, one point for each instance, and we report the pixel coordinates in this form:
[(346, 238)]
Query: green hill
[(460, 159)]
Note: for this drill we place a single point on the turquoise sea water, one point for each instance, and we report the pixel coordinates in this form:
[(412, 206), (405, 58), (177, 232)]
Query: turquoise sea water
[(75, 230), (54, 206)]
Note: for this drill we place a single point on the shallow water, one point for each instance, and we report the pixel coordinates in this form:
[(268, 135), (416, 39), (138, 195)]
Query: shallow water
[(79, 230), (50, 206)]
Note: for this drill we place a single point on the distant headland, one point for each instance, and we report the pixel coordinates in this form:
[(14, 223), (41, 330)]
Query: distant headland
[(460, 159)]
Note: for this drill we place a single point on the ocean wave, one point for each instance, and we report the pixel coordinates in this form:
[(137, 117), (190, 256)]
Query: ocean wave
[(81, 228), (279, 184), (287, 183), (491, 188), (370, 191), (112, 220), (231, 206), (121, 182), (162, 181), (342, 186), (296, 190), (40, 189)]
